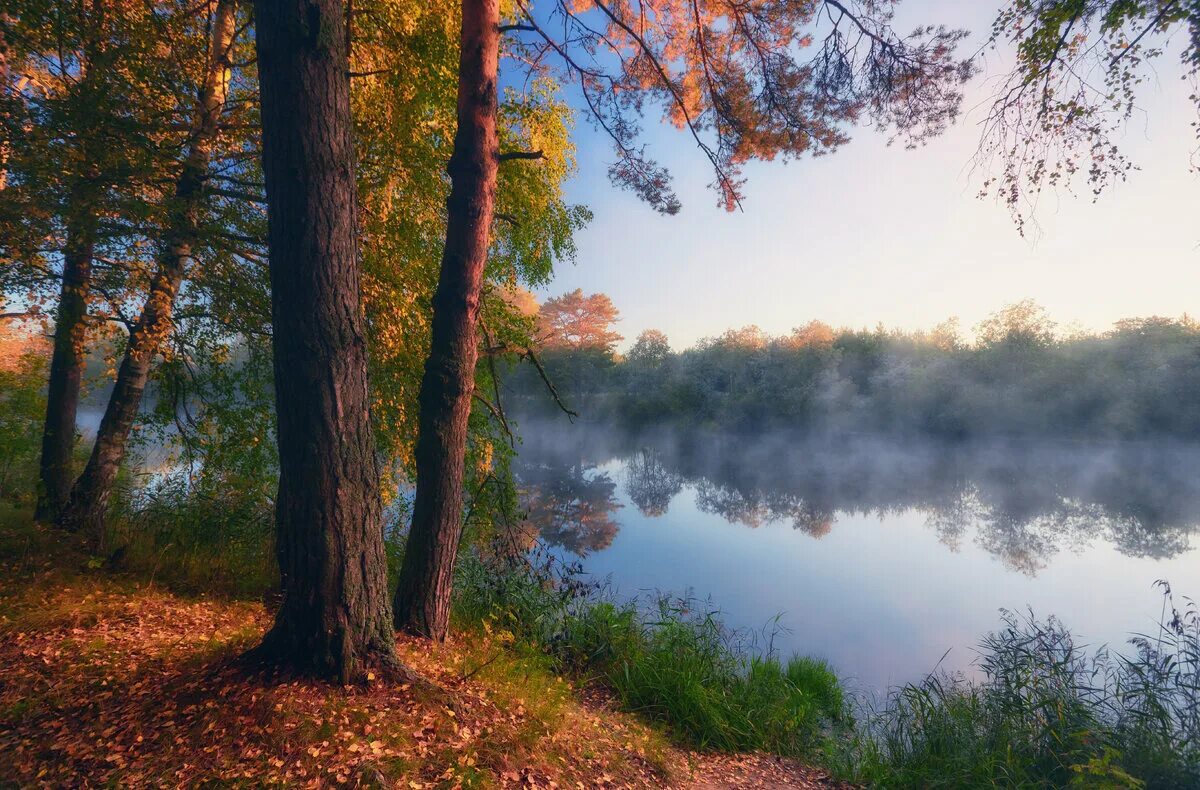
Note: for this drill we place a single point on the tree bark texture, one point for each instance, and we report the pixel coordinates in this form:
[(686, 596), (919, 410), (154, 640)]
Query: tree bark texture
[(88, 502), (423, 596), (335, 619), (5, 57), (67, 361)]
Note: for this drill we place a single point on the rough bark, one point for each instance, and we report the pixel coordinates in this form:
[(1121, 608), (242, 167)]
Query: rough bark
[(335, 619), (66, 373), (5, 57), (88, 503), (423, 596)]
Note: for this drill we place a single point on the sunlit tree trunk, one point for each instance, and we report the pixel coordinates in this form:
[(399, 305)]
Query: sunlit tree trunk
[(335, 619), (88, 502), (66, 371), (423, 595)]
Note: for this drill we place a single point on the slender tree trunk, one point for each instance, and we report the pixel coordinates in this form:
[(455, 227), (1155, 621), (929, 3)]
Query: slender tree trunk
[(5, 57), (423, 596), (69, 352), (335, 619), (88, 503), (66, 372)]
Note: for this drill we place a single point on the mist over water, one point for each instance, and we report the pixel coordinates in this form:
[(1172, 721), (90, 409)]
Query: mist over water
[(877, 554)]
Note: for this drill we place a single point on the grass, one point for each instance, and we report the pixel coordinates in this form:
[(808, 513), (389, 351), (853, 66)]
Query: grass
[(673, 662), (1048, 713), (194, 540)]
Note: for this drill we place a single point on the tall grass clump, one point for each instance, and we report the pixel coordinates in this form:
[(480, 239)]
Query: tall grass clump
[(195, 536), (672, 661), (1047, 713)]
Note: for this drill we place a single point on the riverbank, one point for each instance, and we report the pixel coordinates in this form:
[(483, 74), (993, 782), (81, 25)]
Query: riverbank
[(111, 679)]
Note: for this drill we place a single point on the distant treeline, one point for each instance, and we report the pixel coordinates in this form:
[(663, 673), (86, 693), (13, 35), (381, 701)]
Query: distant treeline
[(1019, 376)]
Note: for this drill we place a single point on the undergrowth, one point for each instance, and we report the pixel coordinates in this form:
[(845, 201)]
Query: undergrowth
[(672, 660), (1043, 712), (1047, 712)]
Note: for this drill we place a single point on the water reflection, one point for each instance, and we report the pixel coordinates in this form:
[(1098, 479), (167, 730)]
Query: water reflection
[(650, 483), (571, 503), (1022, 503)]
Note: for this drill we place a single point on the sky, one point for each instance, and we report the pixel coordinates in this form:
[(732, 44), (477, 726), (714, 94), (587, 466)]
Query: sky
[(877, 234)]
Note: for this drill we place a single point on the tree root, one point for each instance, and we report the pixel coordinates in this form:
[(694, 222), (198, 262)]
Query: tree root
[(380, 665)]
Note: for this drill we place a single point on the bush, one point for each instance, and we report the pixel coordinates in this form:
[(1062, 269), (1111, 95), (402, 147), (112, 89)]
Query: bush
[(22, 410)]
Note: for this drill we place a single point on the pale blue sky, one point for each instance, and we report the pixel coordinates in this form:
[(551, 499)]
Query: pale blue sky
[(877, 234)]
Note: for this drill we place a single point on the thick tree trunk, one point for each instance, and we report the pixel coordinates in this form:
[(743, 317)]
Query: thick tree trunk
[(66, 374), (335, 619), (88, 502), (423, 596)]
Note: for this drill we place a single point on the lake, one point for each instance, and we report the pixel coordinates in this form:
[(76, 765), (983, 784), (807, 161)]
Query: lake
[(884, 557)]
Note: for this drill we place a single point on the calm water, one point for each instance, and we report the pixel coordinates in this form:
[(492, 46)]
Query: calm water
[(878, 556)]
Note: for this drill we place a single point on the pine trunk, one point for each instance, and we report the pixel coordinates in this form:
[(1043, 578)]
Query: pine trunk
[(423, 596), (335, 618), (88, 503), (66, 375)]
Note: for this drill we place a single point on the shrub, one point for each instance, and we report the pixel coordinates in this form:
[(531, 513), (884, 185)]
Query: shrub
[(22, 409)]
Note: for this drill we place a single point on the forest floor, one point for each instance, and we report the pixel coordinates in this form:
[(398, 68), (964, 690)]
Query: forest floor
[(112, 680)]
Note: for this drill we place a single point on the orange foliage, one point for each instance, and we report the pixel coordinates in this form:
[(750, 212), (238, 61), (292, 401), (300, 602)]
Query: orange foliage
[(576, 322), (18, 342)]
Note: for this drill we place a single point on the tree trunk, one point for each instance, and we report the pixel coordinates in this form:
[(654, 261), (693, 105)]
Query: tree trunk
[(423, 596), (88, 502), (5, 56), (66, 373), (335, 618)]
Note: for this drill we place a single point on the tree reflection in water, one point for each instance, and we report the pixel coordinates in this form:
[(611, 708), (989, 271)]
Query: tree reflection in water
[(1021, 502), (650, 484), (570, 502)]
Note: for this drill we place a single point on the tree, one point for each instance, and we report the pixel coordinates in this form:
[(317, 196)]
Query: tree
[(66, 371), (731, 74), (574, 322), (73, 100), (814, 334), (426, 577), (1078, 68), (113, 195), (1022, 326), (335, 619), (88, 502), (403, 98), (651, 349)]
